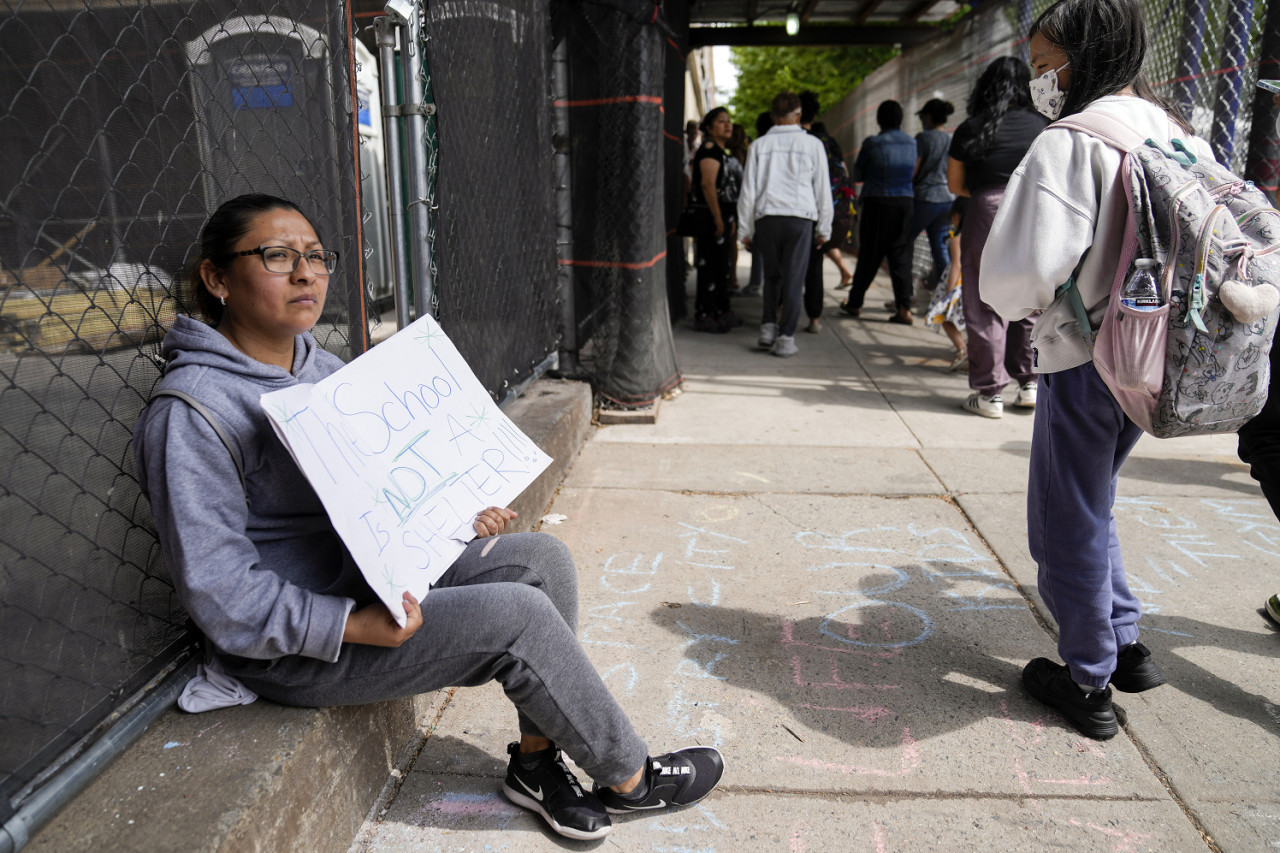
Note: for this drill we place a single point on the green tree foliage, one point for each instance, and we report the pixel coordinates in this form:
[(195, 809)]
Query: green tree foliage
[(832, 72)]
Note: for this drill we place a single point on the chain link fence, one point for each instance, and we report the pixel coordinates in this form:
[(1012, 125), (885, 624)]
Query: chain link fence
[(122, 125), (492, 213), (1205, 54)]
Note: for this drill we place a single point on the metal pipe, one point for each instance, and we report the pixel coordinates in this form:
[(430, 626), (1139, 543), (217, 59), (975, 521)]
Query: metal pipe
[(1024, 26), (411, 49), (540, 369), (562, 172), (1187, 74), (37, 810), (388, 74), (1235, 50)]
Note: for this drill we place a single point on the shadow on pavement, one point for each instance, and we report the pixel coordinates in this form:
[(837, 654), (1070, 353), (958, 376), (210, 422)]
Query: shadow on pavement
[(930, 663), (1166, 634), (1188, 473)]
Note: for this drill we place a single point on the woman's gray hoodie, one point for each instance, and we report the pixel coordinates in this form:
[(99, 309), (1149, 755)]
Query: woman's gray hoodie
[(262, 580)]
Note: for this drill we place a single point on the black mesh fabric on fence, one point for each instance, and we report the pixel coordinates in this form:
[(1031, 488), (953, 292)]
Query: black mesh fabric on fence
[(493, 213), (617, 57), (122, 125)]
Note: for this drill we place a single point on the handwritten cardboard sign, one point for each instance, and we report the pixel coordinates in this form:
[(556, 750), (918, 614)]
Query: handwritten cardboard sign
[(404, 448)]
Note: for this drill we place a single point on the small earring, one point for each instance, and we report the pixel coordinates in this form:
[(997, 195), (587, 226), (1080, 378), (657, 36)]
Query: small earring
[(223, 300)]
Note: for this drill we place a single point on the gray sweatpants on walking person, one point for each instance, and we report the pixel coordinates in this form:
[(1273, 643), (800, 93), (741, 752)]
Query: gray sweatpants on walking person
[(783, 243), (506, 610), (998, 349)]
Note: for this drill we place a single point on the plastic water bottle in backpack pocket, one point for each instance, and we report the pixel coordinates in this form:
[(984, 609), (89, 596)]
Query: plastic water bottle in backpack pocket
[(1136, 351)]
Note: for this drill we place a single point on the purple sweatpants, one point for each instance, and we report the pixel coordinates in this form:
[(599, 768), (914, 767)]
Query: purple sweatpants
[(998, 349), (1079, 440)]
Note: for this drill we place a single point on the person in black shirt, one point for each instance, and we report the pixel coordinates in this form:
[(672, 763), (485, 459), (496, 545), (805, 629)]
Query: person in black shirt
[(711, 301), (985, 149)]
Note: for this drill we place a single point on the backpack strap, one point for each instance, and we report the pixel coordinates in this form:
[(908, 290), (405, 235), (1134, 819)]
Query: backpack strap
[(1077, 306), (1118, 135), (204, 412), (1103, 127)]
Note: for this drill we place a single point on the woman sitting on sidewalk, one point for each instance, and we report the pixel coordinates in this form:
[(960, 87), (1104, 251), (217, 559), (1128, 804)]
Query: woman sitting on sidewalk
[(1064, 214), (264, 575)]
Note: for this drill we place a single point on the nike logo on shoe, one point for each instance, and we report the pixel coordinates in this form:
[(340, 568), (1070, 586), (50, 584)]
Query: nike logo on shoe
[(537, 795), (660, 804)]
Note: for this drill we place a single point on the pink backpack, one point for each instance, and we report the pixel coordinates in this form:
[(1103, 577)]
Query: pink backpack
[(1200, 363)]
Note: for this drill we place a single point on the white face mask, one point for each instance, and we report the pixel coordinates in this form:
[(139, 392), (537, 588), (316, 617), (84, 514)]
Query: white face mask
[(1045, 94)]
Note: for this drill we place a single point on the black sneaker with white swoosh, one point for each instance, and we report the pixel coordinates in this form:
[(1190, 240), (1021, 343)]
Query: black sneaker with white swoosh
[(678, 778), (550, 789)]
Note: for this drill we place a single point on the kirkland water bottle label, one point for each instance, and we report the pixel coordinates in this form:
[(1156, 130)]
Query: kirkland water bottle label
[(1141, 303)]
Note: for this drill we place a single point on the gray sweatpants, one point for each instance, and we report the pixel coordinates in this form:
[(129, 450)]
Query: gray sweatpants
[(507, 609), (783, 243)]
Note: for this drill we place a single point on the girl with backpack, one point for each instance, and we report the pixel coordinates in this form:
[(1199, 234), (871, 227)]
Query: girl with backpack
[(1064, 214)]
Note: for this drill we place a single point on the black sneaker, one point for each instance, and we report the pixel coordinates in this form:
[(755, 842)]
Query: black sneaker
[(678, 778), (1090, 713), (1135, 670), (551, 790)]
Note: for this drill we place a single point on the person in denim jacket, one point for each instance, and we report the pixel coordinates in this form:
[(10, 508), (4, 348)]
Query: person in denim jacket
[(884, 167)]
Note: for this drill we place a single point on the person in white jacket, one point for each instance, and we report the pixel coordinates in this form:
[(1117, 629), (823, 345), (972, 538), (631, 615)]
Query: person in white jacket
[(783, 212), (1063, 213)]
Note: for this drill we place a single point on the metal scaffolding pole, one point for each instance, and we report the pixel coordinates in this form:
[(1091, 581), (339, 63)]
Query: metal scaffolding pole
[(385, 29), (1235, 51), (1187, 76), (415, 113), (563, 176)]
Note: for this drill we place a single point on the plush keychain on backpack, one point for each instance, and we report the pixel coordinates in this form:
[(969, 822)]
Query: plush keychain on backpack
[(1248, 304)]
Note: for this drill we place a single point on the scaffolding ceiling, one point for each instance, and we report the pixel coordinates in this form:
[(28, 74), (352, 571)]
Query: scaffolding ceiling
[(821, 22)]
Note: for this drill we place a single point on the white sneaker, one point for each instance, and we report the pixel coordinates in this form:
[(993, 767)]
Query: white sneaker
[(785, 346), (1026, 396), (988, 407), (768, 334)]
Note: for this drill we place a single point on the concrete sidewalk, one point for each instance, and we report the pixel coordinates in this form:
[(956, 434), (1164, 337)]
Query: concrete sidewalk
[(819, 565)]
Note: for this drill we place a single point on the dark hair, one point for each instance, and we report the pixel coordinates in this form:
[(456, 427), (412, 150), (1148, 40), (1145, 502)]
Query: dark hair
[(818, 129), (1106, 46), (710, 117), (738, 143), (889, 115), (809, 107), (231, 221), (784, 104), (764, 121), (1002, 87), (937, 110)]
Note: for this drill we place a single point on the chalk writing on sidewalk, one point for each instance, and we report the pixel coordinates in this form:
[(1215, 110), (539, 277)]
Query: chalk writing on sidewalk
[(1254, 530)]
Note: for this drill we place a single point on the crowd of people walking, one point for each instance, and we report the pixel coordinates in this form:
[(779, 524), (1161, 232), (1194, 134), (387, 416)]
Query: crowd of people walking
[(787, 198)]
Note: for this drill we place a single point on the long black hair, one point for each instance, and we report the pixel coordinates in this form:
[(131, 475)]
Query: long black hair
[(231, 221), (1106, 45), (1002, 87)]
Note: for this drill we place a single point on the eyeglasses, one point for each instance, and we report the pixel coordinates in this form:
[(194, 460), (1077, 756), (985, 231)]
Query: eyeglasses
[(283, 260)]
